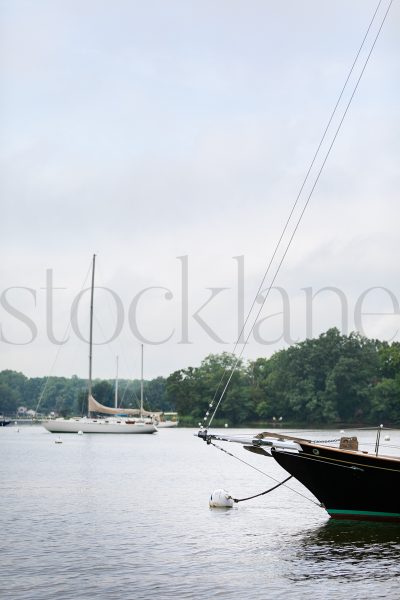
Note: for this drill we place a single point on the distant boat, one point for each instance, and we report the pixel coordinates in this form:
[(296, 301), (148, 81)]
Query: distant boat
[(3, 421), (166, 419), (120, 421)]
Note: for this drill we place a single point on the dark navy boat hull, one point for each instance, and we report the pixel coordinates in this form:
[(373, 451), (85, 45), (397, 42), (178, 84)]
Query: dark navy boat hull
[(349, 485)]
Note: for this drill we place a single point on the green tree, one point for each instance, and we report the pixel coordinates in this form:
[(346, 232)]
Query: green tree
[(385, 404), (9, 399), (155, 395), (103, 392), (389, 359)]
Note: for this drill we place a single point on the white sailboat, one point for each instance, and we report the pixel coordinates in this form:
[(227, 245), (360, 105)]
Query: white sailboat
[(119, 421)]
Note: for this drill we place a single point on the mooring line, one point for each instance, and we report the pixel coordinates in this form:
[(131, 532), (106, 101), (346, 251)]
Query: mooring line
[(262, 472), (263, 493)]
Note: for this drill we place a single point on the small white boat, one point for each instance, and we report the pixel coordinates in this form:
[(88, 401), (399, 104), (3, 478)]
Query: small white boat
[(167, 419)]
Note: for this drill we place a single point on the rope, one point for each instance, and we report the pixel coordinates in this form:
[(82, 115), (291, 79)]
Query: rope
[(262, 472), (263, 493), (64, 340), (234, 367)]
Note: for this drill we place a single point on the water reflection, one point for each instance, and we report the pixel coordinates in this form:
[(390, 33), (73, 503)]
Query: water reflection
[(354, 533), (347, 548)]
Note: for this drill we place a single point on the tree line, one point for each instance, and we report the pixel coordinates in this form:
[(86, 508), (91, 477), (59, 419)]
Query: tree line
[(68, 396), (330, 379)]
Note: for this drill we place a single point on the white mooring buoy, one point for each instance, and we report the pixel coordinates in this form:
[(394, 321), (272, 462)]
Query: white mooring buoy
[(220, 499), (387, 438), (80, 432)]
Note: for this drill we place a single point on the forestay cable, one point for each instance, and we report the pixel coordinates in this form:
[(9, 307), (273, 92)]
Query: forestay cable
[(289, 218), (233, 368)]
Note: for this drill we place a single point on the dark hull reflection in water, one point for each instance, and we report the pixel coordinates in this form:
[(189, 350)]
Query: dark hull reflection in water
[(348, 549)]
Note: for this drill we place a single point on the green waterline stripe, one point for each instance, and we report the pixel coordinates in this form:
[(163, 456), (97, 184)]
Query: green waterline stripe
[(367, 513)]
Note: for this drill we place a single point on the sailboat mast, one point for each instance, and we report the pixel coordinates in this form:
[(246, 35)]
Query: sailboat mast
[(116, 387), (91, 333), (141, 387)]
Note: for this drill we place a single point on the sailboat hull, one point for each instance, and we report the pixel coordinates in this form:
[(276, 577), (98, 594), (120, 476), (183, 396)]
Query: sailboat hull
[(349, 485), (97, 426), (165, 424)]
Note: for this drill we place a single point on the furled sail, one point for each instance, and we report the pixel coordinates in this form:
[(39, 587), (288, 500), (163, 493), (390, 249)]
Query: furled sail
[(95, 406)]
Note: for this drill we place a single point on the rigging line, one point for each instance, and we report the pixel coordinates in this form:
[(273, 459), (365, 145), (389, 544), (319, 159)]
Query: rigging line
[(121, 402), (381, 444), (135, 395), (262, 472), (122, 352), (98, 323), (298, 197), (64, 340), (118, 302), (344, 428), (127, 386), (371, 428), (130, 384), (233, 369), (107, 343)]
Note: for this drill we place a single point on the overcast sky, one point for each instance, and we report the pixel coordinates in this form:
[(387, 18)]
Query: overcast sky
[(148, 131)]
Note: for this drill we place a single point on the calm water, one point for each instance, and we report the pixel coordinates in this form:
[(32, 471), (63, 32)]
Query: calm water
[(127, 516)]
